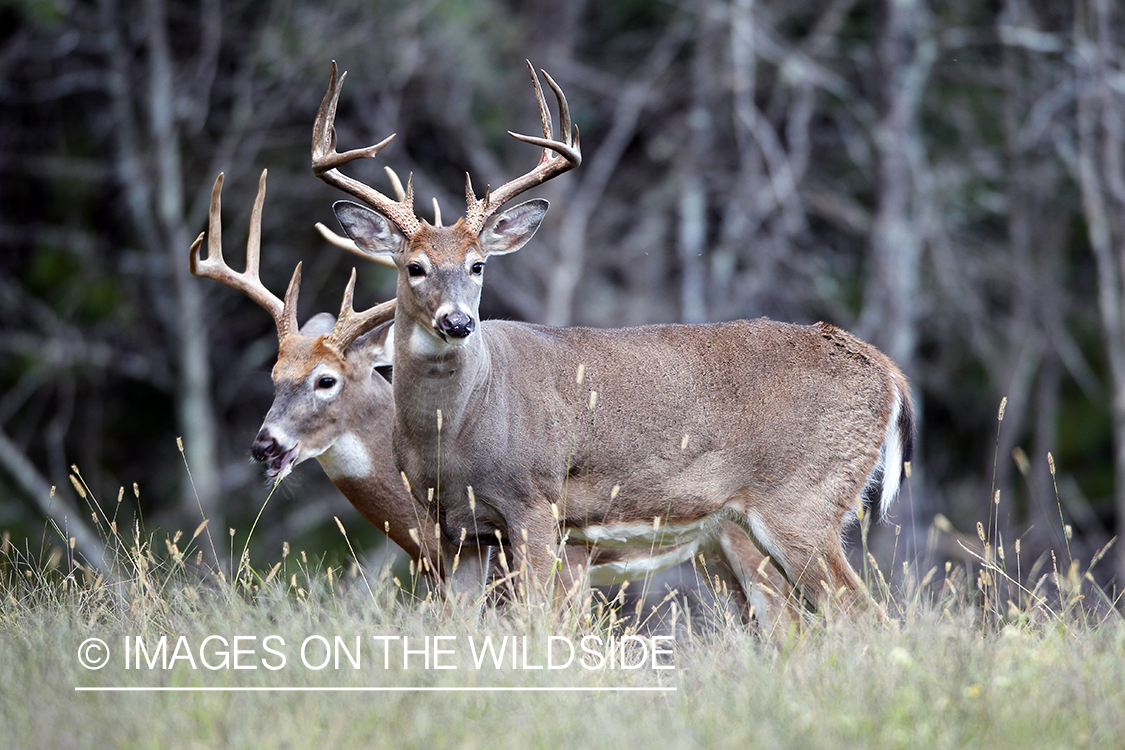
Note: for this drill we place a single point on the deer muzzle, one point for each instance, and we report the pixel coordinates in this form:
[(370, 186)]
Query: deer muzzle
[(456, 325), (267, 450)]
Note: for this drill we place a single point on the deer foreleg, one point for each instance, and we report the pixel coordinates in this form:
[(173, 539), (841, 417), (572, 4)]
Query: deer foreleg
[(467, 576)]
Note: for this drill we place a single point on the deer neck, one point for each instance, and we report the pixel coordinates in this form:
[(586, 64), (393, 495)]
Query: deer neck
[(431, 374), (362, 452), (361, 465)]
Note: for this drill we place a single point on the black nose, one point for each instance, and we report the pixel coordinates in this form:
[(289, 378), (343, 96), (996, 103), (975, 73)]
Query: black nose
[(457, 325), (265, 447)]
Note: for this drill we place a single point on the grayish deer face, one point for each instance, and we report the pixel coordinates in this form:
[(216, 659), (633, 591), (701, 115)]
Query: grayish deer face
[(317, 394)]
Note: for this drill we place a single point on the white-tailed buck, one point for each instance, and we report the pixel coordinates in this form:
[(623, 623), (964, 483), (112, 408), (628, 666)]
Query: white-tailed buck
[(781, 428), (316, 365), (330, 403)]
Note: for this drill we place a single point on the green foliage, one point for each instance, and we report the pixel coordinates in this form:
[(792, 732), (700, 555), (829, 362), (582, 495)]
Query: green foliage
[(59, 277), (40, 12)]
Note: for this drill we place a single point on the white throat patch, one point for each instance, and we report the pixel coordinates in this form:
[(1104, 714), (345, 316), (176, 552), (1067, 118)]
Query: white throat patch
[(347, 457), (426, 343)]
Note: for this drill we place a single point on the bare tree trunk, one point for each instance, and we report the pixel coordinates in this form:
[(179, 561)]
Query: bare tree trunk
[(694, 161), (196, 413), (156, 207), (888, 316), (559, 306), (741, 214), (755, 128), (1024, 352), (1100, 141), (692, 246), (763, 216), (196, 410)]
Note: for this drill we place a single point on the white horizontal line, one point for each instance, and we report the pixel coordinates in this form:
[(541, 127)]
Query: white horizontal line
[(122, 689)]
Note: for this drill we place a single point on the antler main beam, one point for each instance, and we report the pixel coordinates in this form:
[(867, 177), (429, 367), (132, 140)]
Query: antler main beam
[(349, 326), (567, 155), (248, 282), (347, 243), (326, 163)]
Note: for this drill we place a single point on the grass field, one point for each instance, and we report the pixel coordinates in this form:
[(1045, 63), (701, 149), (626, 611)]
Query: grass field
[(971, 659)]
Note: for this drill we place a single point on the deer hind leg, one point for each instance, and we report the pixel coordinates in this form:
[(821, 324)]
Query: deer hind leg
[(769, 598), (813, 559), (835, 586)]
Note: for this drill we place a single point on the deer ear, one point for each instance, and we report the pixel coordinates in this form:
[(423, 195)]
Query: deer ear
[(509, 231), (378, 344), (371, 230), (319, 325)]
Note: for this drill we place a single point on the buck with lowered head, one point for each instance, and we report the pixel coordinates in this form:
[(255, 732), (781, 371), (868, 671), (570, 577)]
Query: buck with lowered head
[(332, 404), (781, 428), (316, 365)]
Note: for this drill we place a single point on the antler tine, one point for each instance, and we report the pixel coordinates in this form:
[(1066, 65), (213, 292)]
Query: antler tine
[(400, 194), (249, 283), (351, 325), (567, 155), (567, 145), (544, 112), (396, 184), (326, 162), (347, 243), (565, 126)]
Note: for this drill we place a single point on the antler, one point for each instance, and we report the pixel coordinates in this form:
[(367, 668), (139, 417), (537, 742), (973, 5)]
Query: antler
[(326, 161), (214, 267), (567, 156), (349, 326), (347, 243)]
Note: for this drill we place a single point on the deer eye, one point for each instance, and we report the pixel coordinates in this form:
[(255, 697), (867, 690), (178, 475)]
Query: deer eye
[(415, 270), (477, 268), (325, 382)]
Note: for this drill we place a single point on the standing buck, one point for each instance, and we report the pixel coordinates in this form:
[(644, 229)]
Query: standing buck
[(781, 428), (331, 403)]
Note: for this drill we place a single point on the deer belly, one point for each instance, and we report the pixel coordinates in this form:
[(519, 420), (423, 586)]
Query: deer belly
[(639, 563), (648, 534)]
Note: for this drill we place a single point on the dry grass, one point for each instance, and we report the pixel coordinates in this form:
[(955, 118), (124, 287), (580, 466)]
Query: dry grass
[(983, 654)]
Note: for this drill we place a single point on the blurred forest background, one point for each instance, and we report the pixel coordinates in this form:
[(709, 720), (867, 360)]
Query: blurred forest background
[(947, 180)]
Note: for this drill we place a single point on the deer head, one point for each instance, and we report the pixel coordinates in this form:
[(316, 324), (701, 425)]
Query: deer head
[(441, 268), (315, 364)]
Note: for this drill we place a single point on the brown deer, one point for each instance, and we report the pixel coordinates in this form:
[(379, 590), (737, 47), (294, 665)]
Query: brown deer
[(332, 404), (778, 427)]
